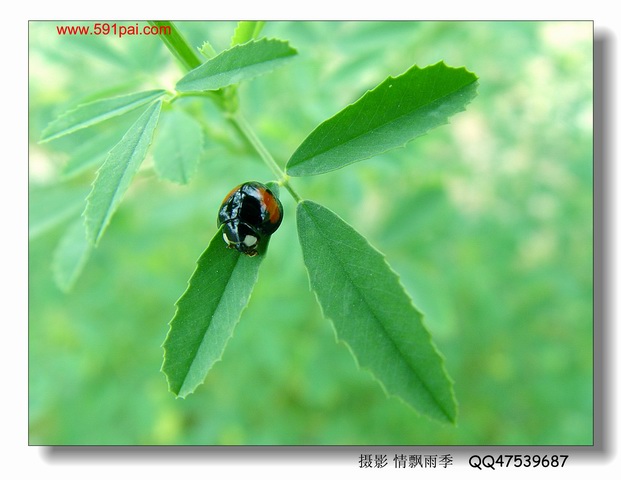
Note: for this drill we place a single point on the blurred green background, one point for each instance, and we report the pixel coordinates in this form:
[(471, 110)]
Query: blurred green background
[(488, 221)]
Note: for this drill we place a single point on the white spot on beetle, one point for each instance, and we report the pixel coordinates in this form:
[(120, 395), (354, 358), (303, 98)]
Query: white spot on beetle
[(250, 240)]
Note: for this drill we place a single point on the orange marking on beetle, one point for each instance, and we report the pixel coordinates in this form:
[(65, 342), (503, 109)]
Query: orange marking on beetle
[(271, 205), (228, 195)]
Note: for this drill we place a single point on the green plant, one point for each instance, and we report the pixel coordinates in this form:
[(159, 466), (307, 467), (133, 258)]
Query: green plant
[(356, 288)]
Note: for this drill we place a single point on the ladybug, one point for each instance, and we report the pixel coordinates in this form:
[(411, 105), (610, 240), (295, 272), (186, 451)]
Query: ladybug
[(249, 213)]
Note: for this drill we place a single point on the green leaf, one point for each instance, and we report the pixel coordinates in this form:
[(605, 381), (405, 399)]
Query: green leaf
[(92, 150), (51, 206), (207, 50), (177, 147), (115, 175), (71, 255), (371, 312), (246, 31), (387, 117), (207, 314), (241, 62), (91, 113)]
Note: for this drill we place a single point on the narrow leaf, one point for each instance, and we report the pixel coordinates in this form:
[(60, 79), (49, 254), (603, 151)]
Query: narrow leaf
[(71, 255), (371, 312), (93, 150), (51, 206), (246, 31), (207, 314), (238, 63), (91, 113), (387, 117), (115, 175), (177, 147)]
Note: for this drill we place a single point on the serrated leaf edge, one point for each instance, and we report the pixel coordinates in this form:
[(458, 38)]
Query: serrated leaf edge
[(95, 237), (189, 283), (288, 168), (157, 93), (429, 338), (258, 26), (170, 325), (187, 175), (238, 46)]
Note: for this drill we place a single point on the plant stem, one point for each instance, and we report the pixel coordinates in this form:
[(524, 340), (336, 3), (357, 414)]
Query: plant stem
[(178, 45), (181, 49), (247, 132)]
